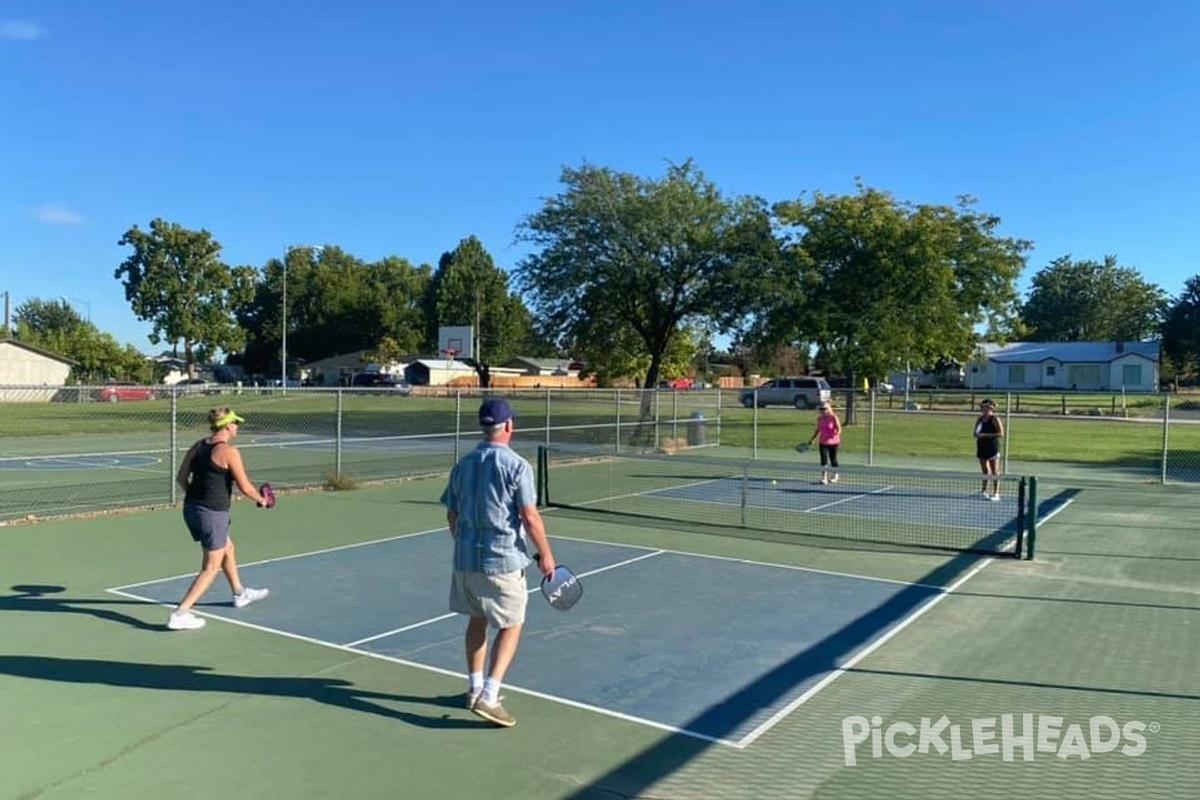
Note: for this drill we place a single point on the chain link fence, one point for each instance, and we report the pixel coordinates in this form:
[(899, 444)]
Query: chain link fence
[(78, 450), (73, 450)]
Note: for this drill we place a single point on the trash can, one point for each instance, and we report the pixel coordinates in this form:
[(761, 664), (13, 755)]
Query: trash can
[(696, 430)]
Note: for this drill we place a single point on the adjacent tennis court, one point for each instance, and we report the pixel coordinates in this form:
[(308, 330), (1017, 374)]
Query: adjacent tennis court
[(708, 658)]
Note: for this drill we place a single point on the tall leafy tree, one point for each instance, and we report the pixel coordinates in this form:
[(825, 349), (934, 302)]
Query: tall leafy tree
[(1181, 330), (469, 289), (872, 282), (1092, 301), (618, 255), (176, 280), (336, 304)]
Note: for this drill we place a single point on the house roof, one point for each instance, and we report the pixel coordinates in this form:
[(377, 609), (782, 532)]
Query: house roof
[(33, 349), (1067, 352), (543, 363), (441, 363)]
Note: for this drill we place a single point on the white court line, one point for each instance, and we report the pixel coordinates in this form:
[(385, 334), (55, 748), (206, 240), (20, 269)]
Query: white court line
[(508, 687), (294, 555), (847, 499), (751, 562), (1050, 516), (837, 672), (535, 589)]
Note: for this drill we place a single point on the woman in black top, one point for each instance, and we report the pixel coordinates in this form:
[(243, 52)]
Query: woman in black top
[(207, 475), (989, 430)]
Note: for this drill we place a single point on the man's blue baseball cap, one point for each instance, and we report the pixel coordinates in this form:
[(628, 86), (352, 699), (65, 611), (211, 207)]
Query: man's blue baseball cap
[(495, 412)]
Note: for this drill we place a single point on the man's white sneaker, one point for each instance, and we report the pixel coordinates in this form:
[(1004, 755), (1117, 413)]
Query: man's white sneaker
[(249, 596), (184, 621)]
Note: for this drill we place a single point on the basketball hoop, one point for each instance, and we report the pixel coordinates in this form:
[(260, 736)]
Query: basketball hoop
[(449, 354)]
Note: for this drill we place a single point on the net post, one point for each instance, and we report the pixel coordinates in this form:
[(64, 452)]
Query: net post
[(1033, 516), (1021, 490)]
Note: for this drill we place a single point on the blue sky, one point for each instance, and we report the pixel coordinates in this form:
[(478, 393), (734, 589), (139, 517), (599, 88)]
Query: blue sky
[(395, 128)]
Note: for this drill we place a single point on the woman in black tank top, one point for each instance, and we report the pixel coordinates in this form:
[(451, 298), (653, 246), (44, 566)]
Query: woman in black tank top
[(989, 430), (207, 475)]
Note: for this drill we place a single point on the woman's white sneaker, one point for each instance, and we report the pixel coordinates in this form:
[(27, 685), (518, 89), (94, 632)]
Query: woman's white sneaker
[(249, 596), (184, 621)]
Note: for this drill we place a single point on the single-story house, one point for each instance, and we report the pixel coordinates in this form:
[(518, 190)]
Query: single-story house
[(1082, 366), (25, 365), (558, 367), (340, 370)]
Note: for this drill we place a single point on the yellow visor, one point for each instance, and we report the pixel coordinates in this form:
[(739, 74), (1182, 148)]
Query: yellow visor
[(226, 420)]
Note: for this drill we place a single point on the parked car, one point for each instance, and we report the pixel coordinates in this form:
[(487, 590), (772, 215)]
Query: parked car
[(120, 393), (801, 392), (383, 382)]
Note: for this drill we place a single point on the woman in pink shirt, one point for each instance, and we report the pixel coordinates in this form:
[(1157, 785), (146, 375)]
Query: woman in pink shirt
[(829, 435)]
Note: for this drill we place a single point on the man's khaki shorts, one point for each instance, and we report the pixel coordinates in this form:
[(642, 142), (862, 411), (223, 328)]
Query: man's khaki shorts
[(501, 599)]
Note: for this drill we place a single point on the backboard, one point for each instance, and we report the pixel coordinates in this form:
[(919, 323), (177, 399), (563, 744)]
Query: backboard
[(459, 338)]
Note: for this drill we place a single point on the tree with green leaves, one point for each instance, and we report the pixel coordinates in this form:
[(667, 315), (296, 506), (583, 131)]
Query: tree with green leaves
[(55, 326), (622, 259), (871, 282), (469, 289), (1181, 330), (1081, 301), (176, 280), (336, 304)]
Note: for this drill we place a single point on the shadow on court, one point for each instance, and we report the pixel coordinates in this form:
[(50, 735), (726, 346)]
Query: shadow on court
[(38, 598), (638, 774), (190, 678)]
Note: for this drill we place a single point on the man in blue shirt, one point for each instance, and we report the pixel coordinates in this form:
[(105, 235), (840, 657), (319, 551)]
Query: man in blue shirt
[(491, 506)]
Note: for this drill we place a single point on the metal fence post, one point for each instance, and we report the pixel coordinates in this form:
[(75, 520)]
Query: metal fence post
[(174, 436), (547, 418), (656, 416), (337, 448), (1007, 428), (754, 427), (674, 416), (718, 416), (457, 422), (871, 434), (1165, 434), (617, 446)]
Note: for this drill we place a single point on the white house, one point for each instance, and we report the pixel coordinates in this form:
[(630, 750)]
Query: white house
[(436, 371), (1082, 366), (24, 365)]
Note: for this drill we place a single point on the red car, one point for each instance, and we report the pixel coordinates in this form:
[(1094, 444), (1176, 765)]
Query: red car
[(116, 394)]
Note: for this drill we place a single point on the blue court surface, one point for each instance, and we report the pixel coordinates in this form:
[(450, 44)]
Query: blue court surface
[(711, 647)]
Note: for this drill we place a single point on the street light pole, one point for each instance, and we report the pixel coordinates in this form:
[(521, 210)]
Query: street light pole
[(283, 370)]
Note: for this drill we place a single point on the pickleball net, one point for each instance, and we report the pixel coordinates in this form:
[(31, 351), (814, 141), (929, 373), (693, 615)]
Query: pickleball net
[(924, 509)]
